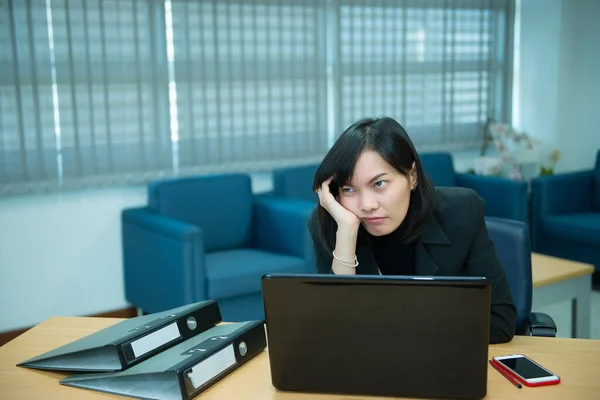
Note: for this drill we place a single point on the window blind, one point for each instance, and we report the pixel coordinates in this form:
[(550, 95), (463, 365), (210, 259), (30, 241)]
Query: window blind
[(110, 92), (251, 82), (434, 65), (112, 89), (27, 135)]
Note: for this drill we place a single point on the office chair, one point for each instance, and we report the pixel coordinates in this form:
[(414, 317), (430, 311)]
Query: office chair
[(511, 239)]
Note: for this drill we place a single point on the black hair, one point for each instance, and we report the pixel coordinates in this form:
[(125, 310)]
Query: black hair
[(389, 139)]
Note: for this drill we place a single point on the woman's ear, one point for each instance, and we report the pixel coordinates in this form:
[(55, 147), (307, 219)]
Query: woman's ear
[(414, 177)]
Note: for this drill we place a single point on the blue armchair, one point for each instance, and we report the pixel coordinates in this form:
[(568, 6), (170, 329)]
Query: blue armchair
[(511, 239), (504, 198), (209, 237), (565, 212)]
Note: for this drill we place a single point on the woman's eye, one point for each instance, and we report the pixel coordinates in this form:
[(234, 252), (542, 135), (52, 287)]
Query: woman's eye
[(347, 190), (380, 184)]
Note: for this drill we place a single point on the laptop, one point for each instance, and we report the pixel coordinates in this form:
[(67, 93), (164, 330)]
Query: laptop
[(401, 336)]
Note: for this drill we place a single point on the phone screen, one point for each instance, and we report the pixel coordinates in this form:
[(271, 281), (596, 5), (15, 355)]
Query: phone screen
[(525, 367)]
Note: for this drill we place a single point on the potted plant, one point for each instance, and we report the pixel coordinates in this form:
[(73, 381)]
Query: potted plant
[(549, 169)]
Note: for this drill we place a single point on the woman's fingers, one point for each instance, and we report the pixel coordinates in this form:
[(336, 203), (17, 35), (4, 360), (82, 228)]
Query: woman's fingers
[(325, 185), (328, 201), (324, 193)]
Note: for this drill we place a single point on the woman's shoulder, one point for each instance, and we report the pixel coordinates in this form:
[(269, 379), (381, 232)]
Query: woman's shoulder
[(457, 203)]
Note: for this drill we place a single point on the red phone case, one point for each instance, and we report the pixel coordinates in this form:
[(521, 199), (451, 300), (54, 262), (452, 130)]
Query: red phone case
[(523, 381)]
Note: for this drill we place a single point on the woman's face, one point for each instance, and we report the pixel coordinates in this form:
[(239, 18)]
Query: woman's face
[(378, 194)]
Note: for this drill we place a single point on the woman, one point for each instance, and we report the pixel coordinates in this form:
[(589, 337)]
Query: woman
[(379, 213)]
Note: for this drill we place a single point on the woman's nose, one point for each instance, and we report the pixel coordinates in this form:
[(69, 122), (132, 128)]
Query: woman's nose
[(369, 202)]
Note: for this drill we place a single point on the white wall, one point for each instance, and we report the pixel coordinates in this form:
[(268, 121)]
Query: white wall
[(579, 90), (60, 254), (559, 78), (538, 67)]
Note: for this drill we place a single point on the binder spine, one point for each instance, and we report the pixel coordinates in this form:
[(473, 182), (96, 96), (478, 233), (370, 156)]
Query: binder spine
[(222, 360), (153, 341)]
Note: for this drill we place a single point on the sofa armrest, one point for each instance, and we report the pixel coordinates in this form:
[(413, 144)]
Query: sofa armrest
[(281, 226), (163, 261), (562, 193), (540, 324), (504, 198), (169, 227)]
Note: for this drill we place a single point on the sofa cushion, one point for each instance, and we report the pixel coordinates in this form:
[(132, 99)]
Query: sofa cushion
[(220, 205), (295, 182), (238, 272), (439, 168), (581, 227)]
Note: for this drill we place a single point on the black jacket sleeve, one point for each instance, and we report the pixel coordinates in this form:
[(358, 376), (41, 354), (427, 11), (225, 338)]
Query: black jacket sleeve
[(323, 258), (482, 260)]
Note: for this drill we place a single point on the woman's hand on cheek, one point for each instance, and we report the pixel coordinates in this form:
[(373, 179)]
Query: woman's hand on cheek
[(344, 218)]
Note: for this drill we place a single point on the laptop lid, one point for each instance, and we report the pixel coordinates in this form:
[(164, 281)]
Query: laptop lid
[(378, 335)]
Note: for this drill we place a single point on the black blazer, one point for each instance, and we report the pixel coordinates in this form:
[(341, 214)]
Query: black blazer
[(454, 242)]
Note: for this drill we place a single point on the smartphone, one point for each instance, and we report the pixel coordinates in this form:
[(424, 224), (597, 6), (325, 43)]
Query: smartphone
[(527, 371)]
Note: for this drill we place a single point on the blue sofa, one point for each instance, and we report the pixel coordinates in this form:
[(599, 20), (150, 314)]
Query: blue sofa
[(565, 212), (210, 237), (504, 198)]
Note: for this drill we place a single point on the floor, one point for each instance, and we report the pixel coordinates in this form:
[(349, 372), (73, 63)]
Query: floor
[(561, 313)]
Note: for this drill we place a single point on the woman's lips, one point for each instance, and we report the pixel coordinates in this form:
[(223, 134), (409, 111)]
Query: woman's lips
[(374, 220)]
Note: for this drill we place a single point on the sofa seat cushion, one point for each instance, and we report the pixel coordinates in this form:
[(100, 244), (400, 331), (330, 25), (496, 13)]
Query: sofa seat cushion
[(580, 227), (238, 272)]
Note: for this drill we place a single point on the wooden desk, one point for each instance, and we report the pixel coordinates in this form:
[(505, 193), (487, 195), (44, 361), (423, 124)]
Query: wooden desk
[(556, 280), (576, 361)]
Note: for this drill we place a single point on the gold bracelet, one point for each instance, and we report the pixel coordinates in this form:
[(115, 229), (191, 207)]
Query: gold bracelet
[(351, 264)]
